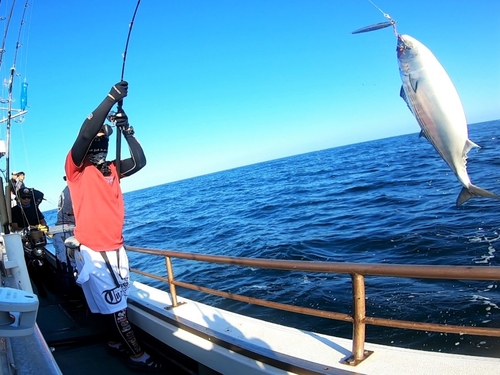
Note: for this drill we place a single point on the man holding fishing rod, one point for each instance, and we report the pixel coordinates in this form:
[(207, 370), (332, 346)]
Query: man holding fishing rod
[(101, 261)]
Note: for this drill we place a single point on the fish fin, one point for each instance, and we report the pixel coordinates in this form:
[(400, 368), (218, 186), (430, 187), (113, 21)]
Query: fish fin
[(474, 191), (402, 94), (413, 83), (468, 145), (422, 134)]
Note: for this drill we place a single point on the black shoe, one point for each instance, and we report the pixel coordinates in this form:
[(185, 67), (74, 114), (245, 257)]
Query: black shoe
[(118, 351), (150, 365)]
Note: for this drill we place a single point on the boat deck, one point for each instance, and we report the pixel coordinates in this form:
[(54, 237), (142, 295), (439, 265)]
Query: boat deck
[(77, 339)]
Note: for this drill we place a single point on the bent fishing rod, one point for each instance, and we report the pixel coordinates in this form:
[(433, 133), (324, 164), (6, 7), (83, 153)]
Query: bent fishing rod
[(120, 103)]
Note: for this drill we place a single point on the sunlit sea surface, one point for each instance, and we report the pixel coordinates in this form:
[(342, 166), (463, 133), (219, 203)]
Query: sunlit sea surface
[(387, 201)]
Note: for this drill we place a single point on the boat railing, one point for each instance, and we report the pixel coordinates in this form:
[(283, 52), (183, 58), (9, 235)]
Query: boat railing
[(357, 272)]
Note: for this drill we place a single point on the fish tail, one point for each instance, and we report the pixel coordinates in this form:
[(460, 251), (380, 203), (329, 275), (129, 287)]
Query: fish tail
[(474, 191)]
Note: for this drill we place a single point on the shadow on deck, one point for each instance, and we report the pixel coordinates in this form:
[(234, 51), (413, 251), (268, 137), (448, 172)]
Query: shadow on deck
[(77, 338)]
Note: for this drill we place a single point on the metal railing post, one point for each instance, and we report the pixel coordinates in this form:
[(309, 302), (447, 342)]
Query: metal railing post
[(359, 326), (170, 275)]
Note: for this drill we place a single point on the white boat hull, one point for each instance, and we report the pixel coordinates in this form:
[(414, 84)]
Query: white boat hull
[(235, 344)]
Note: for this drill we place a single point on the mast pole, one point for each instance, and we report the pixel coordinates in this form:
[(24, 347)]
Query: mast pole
[(9, 118)]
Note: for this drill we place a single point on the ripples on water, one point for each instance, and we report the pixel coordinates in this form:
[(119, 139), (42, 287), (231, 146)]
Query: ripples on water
[(384, 201)]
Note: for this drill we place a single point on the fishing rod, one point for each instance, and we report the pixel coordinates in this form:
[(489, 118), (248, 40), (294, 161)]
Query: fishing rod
[(120, 103), (2, 49)]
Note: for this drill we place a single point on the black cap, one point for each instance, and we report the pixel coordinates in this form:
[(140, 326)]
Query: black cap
[(25, 193)]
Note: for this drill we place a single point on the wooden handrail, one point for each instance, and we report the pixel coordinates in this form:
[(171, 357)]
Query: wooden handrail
[(357, 271)]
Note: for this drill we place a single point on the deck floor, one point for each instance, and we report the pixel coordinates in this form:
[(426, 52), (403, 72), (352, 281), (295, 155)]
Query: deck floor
[(77, 338)]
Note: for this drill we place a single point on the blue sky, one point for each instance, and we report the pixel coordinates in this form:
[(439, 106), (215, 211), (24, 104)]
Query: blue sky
[(220, 84)]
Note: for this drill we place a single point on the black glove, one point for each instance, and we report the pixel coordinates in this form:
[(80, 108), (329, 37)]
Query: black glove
[(121, 120), (118, 91), (122, 123)]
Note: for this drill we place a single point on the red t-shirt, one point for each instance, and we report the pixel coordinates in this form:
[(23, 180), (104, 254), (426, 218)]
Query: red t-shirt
[(98, 205)]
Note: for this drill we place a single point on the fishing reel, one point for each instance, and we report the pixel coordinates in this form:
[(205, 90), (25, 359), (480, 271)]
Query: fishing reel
[(113, 115), (34, 242)]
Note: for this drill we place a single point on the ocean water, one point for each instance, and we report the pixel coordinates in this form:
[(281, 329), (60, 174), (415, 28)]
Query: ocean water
[(385, 201)]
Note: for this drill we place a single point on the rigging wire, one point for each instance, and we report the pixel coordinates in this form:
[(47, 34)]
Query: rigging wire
[(10, 84), (120, 103), (3, 52), (24, 86)]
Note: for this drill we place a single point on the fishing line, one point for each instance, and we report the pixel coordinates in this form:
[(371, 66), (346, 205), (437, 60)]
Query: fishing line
[(120, 103), (380, 10)]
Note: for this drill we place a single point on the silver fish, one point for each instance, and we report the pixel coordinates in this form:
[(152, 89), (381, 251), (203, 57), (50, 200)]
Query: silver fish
[(432, 98)]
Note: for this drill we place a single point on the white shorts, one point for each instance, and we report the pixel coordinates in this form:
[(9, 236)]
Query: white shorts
[(101, 291)]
